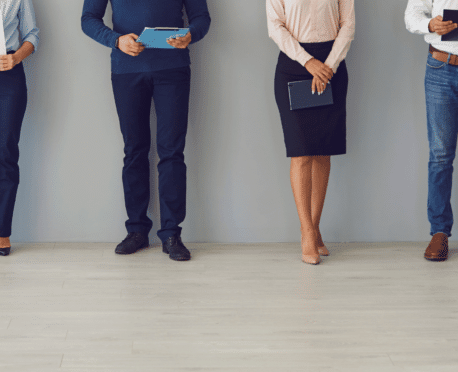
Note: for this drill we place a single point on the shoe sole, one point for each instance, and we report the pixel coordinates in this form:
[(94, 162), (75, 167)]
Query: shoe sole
[(126, 253), (175, 259), (436, 259)]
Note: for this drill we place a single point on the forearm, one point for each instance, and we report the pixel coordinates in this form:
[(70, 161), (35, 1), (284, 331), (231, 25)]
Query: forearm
[(418, 15), (199, 19), (24, 51), (345, 35), (281, 35), (93, 25)]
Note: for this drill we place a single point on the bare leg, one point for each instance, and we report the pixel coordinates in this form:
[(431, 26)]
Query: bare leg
[(321, 168), (301, 183)]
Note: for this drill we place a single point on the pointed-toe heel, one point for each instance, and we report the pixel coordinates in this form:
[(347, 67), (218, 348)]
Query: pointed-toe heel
[(323, 251), (311, 259)]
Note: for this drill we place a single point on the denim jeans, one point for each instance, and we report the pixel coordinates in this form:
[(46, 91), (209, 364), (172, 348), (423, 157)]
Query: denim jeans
[(441, 88)]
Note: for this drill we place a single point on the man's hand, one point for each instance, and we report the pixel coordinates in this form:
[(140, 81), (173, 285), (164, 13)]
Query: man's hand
[(128, 45), (180, 42), (321, 74), (441, 28), (8, 62)]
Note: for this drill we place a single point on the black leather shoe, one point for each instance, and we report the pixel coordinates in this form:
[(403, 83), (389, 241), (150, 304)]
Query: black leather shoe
[(5, 251), (132, 243), (175, 248)]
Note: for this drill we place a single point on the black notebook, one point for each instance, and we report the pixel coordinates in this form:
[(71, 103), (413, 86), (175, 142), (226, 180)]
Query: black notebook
[(451, 15), (300, 95)]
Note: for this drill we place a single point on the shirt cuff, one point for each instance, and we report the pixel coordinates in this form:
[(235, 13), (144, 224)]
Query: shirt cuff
[(112, 42), (33, 39), (192, 30), (424, 26), (304, 58)]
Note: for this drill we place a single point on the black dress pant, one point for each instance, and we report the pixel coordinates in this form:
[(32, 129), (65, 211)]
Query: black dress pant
[(133, 94), (13, 103)]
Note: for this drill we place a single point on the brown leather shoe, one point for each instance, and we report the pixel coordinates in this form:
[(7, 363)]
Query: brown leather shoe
[(438, 248)]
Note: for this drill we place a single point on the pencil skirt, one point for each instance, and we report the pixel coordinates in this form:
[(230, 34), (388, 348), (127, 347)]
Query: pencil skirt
[(317, 130)]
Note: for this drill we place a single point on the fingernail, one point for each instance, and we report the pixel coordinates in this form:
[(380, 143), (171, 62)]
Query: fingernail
[(313, 92)]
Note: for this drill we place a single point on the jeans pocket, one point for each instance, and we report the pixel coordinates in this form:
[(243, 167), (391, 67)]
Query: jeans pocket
[(434, 63)]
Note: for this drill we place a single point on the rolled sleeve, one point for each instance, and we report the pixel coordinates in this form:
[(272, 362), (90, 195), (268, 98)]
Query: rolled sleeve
[(27, 24)]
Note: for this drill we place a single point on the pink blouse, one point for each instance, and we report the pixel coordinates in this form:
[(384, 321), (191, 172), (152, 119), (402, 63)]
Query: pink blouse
[(291, 22)]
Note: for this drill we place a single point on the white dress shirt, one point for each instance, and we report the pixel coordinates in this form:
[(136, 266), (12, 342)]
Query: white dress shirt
[(418, 15)]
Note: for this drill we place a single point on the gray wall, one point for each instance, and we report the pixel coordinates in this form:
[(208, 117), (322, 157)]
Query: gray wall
[(238, 175)]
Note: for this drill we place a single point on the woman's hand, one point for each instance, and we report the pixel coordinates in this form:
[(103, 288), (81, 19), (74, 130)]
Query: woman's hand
[(318, 86), (8, 62), (321, 74), (180, 42)]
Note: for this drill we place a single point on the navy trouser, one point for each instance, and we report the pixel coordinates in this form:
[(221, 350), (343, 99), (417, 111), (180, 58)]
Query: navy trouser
[(133, 96), (13, 102)]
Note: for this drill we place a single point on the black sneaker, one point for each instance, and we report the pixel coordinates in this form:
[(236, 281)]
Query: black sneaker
[(132, 243), (175, 248)]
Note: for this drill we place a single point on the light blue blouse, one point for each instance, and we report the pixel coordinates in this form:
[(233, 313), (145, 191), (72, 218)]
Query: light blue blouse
[(19, 23)]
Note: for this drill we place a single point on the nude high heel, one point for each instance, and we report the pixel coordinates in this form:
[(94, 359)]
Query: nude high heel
[(323, 251), (312, 259)]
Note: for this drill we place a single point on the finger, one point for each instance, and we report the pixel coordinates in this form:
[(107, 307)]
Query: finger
[(313, 86), (323, 78), (439, 18), (445, 30)]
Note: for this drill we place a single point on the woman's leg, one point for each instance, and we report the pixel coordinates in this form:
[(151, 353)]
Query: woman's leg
[(321, 168), (301, 183)]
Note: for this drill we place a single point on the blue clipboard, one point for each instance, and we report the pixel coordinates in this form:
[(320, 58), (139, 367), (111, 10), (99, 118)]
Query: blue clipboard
[(157, 37)]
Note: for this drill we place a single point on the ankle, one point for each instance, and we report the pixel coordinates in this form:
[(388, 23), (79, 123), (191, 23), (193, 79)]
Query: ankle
[(5, 243)]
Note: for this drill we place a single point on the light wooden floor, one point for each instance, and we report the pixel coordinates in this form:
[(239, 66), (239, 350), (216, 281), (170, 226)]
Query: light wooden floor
[(253, 307)]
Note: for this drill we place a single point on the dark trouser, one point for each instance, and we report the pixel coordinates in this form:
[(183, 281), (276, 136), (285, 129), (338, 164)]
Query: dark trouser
[(13, 102), (133, 93)]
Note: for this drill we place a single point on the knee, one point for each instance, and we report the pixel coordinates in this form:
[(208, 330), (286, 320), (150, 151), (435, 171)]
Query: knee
[(301, 161), (443, 158)]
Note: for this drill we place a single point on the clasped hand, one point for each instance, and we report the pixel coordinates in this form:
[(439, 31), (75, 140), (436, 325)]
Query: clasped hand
[(7, 62), (321, 75)]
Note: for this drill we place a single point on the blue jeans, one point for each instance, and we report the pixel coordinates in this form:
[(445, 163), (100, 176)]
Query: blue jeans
[(133, 94), (441, 87)]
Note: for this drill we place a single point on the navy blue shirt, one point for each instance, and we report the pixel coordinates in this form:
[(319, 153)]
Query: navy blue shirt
[(132, 16)]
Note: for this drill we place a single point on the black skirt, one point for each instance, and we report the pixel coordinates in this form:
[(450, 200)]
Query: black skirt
[(316, 130)]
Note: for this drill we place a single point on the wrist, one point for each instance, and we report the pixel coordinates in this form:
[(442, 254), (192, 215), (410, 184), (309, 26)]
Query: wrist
[(16, 58)]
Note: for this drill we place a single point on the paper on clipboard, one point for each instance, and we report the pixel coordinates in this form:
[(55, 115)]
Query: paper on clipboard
[(2, 37)]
